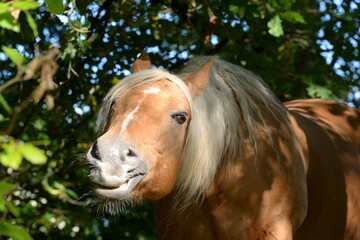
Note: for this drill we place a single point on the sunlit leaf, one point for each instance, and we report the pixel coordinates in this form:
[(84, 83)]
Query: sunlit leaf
[(69, 51), (11, 159), (7, 21), (25, 5), (55, 6), (32, 24), (50, 189), (14, 231), (275, 26), (292, 16), (317, 91), (33, 154), (4, 8), (2, 118), (14, 55), (5, 105)]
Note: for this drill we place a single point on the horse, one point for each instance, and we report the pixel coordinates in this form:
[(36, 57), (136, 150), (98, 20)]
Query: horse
[(221, 157)]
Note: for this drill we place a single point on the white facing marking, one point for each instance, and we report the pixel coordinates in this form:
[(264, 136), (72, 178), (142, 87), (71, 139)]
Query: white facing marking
[(130, 117), (152, 90)]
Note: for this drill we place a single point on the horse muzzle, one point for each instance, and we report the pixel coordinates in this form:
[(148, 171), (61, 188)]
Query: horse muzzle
[(115, 169)]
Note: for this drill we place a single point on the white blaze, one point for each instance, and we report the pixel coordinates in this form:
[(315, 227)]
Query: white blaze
[(130, 117), (152, 90)]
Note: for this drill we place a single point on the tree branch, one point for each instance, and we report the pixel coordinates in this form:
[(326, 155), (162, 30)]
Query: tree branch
[(47, 66)]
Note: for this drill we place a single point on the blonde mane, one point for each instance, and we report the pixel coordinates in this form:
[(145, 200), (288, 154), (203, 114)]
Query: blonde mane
[(232, 94)]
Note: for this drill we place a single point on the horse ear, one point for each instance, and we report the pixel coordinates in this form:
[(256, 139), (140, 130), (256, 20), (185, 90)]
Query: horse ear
[(197, 81), (143, 62)]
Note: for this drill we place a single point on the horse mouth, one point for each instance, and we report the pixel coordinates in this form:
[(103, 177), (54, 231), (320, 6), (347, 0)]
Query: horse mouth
[(119, 191), (123, 185)]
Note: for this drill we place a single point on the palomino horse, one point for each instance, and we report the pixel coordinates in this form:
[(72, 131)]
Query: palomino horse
[(222, 158)]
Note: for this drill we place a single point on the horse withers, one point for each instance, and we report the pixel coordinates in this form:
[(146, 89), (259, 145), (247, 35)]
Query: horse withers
[(222, 158)]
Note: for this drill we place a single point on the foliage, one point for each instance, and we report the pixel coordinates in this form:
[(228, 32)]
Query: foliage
[(58, 60)]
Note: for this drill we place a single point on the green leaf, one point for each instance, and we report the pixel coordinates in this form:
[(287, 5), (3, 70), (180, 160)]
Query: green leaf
[(14, 56), (45, 220), (32, 24), (72, 194), (55, 6), (33, 154), (59, 186), (69, 51), (275, 26), (25, 5), (50, 189), (7, 21), (5, 105), (4, 8), (82, 6), (2, 204), (317, 91), (14, 231), (293, 17), (12, 208), (11, 159), (5, 187), (237, 10), (3, 119), (281, 4)]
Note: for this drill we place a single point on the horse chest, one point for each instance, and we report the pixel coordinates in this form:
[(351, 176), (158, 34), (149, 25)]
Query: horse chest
[(208, 224)]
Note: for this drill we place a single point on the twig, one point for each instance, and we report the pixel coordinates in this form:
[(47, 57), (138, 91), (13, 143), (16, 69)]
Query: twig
[(78, 29), (16, 113), (17, 78), (46, 65)]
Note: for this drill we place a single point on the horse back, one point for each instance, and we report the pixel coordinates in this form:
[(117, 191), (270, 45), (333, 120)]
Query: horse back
[(332, 148)]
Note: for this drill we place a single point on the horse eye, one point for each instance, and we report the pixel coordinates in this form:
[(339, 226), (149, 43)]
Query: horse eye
[(180, 118)]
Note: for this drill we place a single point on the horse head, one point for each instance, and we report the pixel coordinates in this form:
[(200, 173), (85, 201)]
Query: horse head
[(143, 126)]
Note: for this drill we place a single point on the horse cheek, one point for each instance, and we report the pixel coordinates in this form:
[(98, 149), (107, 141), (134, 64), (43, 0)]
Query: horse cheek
[(164, 171), (161, 181)]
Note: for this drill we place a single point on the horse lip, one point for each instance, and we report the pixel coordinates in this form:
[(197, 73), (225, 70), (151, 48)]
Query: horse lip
[(119, 191), (112, 187)]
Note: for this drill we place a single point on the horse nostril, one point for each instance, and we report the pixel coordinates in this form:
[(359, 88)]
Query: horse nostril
[(130, 153), (95, 151)]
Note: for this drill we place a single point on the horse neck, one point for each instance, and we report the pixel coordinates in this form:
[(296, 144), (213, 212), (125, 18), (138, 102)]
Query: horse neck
[(275, 146)]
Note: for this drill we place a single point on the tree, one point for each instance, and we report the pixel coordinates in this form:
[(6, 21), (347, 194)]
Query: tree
[(58, 61)]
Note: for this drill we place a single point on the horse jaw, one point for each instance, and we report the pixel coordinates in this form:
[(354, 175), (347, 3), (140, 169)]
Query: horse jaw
[(150, 188)]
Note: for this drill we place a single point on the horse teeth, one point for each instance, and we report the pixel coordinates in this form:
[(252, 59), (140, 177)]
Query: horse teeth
[(124, 185)]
